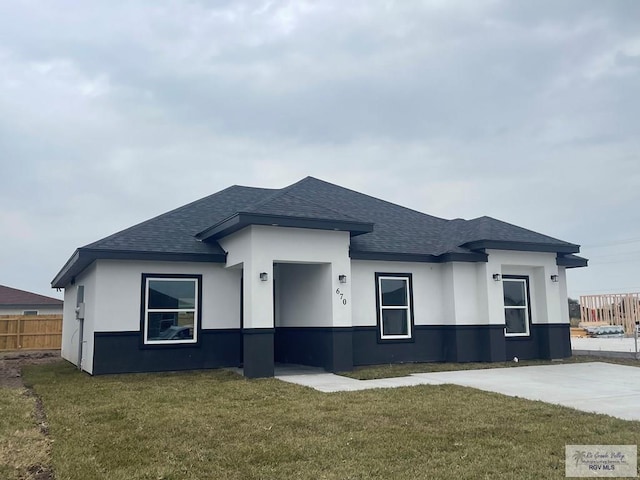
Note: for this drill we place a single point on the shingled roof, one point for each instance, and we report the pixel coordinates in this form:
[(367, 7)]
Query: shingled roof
[(379, 229), (13, 297)]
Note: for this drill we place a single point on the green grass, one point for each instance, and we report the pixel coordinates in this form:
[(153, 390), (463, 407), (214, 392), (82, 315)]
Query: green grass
[(216, 424), (403, 369), (23, 449)]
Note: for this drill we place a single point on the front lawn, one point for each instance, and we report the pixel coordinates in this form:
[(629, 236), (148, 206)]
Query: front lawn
[(218, 425), (373, 372)]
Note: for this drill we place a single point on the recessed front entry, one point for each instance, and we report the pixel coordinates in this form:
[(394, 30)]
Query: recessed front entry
[(302, 304), (303, 314)]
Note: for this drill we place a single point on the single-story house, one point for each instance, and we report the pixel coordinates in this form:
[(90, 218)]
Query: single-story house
[(20, 302), (313, 274)]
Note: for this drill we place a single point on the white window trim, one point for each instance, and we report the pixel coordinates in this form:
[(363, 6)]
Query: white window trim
[(148, 310), (395, 307), (525, 308)]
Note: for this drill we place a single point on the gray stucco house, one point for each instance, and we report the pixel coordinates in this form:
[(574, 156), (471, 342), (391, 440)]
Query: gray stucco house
[(314, 274)]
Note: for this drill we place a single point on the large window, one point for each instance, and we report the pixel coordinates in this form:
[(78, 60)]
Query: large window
[(171, 306), (516, 306), (394, 306)]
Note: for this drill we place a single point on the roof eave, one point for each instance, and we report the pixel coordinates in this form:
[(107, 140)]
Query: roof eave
[(464, 257), (84, 257), (522, 246), (241, 220), (69, 265), (419, 257), (571, 261)]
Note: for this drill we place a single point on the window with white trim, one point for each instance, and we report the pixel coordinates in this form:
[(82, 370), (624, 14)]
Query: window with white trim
[(516, 306), (30, 312), (394, 306), (170, 309)]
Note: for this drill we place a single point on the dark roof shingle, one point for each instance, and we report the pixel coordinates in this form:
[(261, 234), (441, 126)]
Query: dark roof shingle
[(174, 231), (396, 229)]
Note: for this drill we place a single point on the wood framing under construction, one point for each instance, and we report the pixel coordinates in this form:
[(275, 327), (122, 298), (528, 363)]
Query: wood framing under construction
[(611, 308)]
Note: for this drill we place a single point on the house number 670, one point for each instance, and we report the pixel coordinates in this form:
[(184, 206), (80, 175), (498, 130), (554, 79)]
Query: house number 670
[(341, 295)]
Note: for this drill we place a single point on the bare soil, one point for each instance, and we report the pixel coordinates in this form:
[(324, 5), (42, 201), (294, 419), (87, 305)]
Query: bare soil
[(11, 364)]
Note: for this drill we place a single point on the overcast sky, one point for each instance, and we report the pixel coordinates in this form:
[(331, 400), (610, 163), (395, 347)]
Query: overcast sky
[(526, 111)]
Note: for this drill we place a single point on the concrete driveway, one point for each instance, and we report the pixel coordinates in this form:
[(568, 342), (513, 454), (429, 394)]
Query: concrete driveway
[(591, 387)]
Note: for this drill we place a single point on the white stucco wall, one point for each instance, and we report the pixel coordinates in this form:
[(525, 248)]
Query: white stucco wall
[(112, 292), (309, 263), (119, 299), (69, 343), (70, 325), (257, 248), (428, 291), (464, 294), (461, 293), (303, 295), (548, 299), (564, 296)]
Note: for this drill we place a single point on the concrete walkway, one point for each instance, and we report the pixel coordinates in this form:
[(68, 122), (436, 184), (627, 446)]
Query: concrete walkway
[(591, 387)]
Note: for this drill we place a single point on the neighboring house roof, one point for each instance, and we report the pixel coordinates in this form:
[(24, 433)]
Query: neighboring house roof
[(12, 297), (380, 230)]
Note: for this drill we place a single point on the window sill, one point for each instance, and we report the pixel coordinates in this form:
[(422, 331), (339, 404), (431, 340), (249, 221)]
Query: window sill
[(162, 345), (396, 340)]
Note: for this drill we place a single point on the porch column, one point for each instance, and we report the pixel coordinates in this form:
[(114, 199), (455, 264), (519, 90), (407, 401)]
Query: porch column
[(491, 300), (554, 336), (258, 328), (341, 321)]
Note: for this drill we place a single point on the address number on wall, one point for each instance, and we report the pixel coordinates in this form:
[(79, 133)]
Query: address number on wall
[(341, 295)]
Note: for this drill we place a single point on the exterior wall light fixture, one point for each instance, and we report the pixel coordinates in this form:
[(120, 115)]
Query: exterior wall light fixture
[(264, 276), (554, 278), (497, 277), (342, 278)]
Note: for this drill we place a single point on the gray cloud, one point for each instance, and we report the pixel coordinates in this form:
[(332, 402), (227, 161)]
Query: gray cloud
[(112, 113)]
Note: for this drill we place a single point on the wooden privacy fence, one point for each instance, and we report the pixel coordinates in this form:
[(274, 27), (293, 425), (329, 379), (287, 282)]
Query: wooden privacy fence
[(613, 309), (30, 332)]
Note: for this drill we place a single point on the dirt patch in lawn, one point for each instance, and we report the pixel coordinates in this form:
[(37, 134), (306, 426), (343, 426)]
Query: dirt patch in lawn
[(11, 364), (26, 444)]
